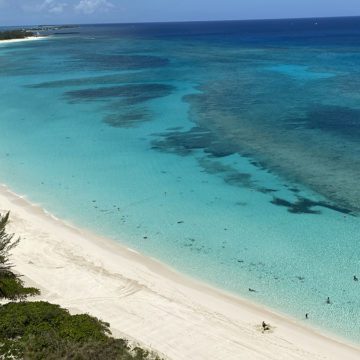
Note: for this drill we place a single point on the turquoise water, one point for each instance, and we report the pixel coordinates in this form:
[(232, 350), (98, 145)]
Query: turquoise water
[(226, 150)]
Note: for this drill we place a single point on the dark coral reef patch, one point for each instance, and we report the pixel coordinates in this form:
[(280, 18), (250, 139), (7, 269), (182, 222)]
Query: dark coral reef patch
[(128, 94), (306, 206)]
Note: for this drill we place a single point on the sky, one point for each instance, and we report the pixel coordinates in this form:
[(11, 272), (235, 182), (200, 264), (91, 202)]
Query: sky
[(31, 12)]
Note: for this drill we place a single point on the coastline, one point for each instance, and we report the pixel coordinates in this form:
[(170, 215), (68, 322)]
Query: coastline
[(145, 300), (31, 38)]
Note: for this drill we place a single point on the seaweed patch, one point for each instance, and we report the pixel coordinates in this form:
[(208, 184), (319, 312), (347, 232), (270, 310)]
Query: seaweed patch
[(305, 206), (334, 119), (185, 142), (126, 120), (127, 94)]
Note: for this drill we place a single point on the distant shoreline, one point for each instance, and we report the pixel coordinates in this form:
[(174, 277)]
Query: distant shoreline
[(30, 38)]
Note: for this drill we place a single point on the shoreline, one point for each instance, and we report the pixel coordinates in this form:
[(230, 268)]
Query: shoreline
[(146, 300), (30, 38)]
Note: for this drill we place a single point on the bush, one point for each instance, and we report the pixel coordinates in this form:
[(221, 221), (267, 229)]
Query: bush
[(12, 288), (43, 331)]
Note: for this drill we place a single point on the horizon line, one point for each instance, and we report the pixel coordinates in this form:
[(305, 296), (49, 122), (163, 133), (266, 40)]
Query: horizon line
[(188, 21)]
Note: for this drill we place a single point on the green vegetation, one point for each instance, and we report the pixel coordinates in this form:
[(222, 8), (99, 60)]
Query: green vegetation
[(44, 331), (15, 34), (39, 330), (11, 286)]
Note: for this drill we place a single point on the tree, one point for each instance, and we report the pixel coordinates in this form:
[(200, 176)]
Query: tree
[(15, 34), (7, 243), (11, 286)]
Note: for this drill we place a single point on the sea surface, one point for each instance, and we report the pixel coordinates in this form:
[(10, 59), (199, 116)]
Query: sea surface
[(228, 150)]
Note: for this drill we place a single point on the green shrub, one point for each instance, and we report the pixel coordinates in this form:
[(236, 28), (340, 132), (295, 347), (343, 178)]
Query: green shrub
[(12, 288), (44, 331)]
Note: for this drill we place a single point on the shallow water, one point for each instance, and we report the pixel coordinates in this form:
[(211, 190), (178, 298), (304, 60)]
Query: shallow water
[(228, 150)]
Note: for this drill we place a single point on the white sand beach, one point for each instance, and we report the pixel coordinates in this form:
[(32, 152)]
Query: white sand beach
[(146, 301), (30, 38)]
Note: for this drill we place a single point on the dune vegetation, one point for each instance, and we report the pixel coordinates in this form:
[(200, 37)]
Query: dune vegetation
[(15, 34)]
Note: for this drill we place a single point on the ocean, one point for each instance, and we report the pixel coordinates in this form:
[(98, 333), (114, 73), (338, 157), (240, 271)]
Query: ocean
[(227, 150)]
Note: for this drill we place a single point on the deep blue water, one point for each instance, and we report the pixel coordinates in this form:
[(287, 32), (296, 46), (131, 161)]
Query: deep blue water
[(228, 150)]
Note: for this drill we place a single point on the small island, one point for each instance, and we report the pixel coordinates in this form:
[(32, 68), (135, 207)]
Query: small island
[(16, 34)]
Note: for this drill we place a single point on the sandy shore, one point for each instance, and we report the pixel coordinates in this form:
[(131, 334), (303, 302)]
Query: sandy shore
[(147, 301), (31, 38)]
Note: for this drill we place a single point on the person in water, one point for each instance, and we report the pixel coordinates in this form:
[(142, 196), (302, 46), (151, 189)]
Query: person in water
[(328, 300), (356, 278), (306, 315)]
